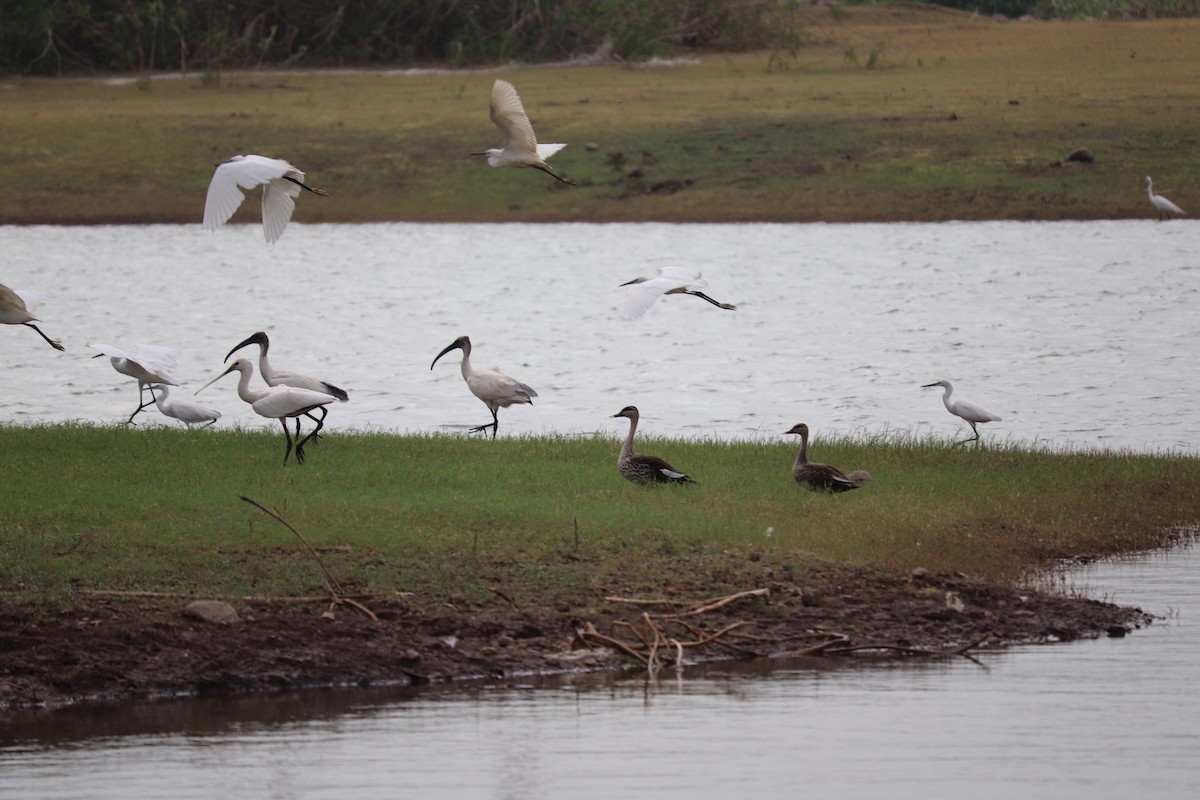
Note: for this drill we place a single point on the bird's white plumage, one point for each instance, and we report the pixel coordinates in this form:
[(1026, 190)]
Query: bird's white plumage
[(491, 386), (520, 145), (14, 310), (641, 293), (1162, 204), (283, 377), (273, 402), (182, 410), (146, 363), (247, 172), (972, 413)]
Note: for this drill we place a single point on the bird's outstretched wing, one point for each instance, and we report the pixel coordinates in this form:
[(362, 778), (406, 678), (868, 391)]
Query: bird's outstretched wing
[(278, 203), (509, 116), (642, 293), (246, 172)]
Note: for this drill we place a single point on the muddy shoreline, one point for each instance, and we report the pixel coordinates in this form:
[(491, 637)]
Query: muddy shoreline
[(112, 649)]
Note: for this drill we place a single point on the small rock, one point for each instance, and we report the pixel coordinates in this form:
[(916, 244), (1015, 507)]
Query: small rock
[(214, 611), (562, 607), (1117, 631), (810, 597), (591, 147), (504, 640), (919, 574), (1082, 155)]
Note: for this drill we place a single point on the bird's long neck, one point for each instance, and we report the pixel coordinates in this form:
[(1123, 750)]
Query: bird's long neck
[(160, 398), (802, 456), (244, 391), (465, 366), (1150, 188), (627, 449), (946, 398), (264, 366)]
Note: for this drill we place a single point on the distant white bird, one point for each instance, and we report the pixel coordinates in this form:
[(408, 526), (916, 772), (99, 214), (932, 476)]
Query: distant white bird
[(13, 311), (182, 410), (971, 412), (277, 402), (1165, 207), (521, 148), (147, 364), (640, 293), (281, 184), (492, 386)]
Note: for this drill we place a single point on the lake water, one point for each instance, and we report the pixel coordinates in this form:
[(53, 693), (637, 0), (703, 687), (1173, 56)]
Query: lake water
[(1111, 718), (1077, 334)]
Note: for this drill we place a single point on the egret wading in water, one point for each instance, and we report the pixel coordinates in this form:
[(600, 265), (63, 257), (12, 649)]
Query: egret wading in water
[(1164, 206), (971, 412), (147, 364), (182, 410), (820, 477), (640, 293), (277, 402), (283, 377), (641, 468), (281, 184), (521, 148), (492, 386), (13, 311)]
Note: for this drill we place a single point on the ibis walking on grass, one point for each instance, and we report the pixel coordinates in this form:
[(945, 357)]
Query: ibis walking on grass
[(492, 386)]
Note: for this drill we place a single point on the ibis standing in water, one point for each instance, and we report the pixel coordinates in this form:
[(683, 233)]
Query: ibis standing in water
[(819, 476), (187, 413), (521, 148), (281, 184), (492, 386), (277, 402), (640, 293), (13, 311), (639, 467), (147, 364), (971, 412), (1164, 206)]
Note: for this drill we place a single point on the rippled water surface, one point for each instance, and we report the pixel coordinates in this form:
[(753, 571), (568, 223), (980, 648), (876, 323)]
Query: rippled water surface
[(1080, 334), (1113, 718)]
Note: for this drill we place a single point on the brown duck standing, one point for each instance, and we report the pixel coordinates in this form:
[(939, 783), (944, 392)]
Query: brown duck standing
[(817, 476), (641, 468)]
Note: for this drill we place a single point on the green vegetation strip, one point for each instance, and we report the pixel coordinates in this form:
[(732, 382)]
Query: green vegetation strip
[(542, 519)]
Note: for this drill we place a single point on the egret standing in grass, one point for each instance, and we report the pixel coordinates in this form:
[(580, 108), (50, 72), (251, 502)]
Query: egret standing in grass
[(283, 377), (819, 476), (971, 412), (639, 467), (277, 402), (13, 311), (640, 293), (147, 364), (187, 413), (521, 148), (1164, 206), (492, 386), (281, 184)]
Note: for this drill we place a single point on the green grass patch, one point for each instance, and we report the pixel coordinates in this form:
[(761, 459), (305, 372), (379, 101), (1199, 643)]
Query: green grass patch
[(158, 510)]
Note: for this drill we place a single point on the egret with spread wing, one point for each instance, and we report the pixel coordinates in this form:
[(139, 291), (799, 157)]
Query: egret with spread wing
[(641, 293), (521, 148), (146, 364), (281, 184), (13, 311)]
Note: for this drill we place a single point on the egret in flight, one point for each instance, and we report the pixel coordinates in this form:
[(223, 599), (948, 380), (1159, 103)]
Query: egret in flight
[(1165, 207), (277, 402), (641, 468), (182, 410), (640, 293), (971, 412), (492, 386), (13, 311), (281, 184), (147, 364), (521, 148), (818, 476)]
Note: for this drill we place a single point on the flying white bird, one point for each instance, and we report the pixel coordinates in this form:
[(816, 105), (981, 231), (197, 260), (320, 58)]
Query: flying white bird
[(147, 364), (182, 410), (971, 412), (815, 475), (281, 184), (13, 311), (640, 293), (639, 467), (492, 386), (1165, 207), (521, 148), (277, 402)]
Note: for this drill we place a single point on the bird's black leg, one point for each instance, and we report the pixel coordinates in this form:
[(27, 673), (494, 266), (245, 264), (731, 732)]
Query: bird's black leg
[(300, 445), (288, 435), (320, 422), (140, 407), (554, 174), (57, 345)]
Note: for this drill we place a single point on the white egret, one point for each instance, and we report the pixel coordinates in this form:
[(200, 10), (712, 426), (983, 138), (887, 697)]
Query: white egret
[(971, 412), (277, 402), (492, 386), (182, 410), (147, 364), (815, 475), (1165, 207), (640, 293), (521, 148), (13, 311), (641, 468), (281, 184)]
